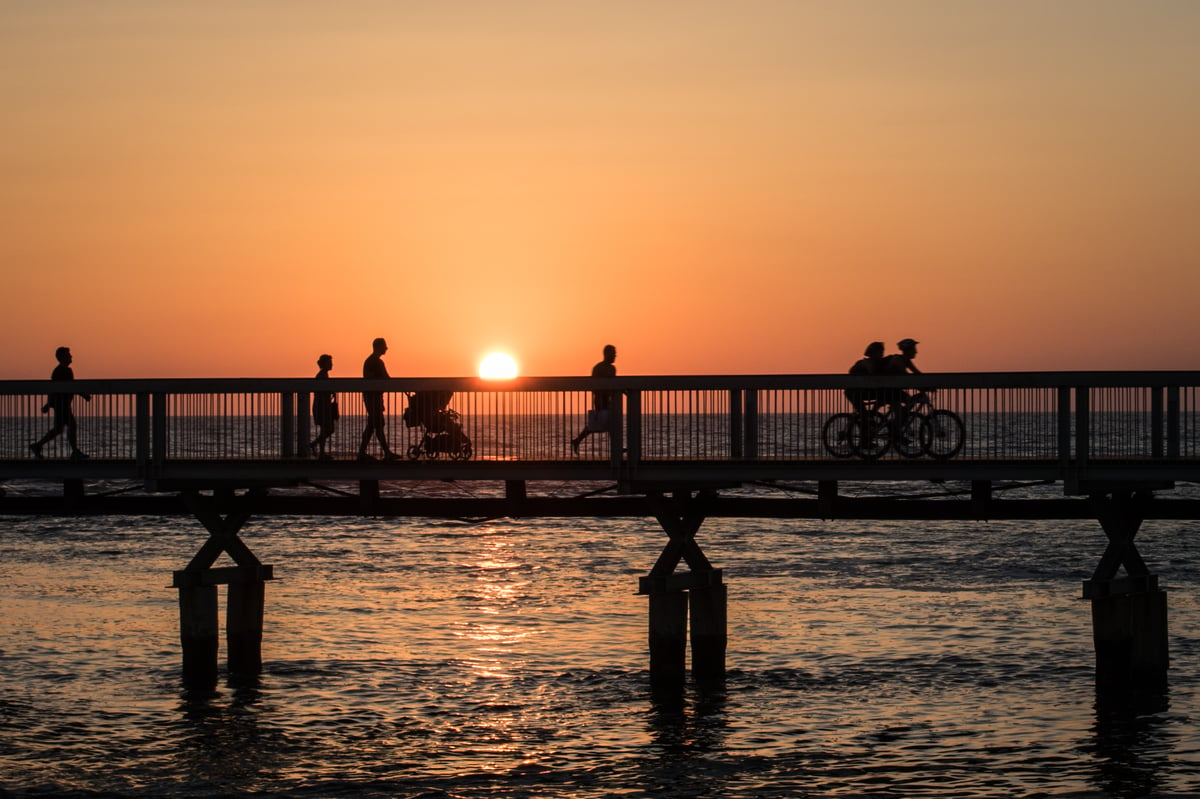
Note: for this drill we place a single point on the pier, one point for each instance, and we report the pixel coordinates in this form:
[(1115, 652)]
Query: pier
[(679, 450)]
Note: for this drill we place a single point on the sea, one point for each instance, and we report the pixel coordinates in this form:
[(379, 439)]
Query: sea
[(463, 659)]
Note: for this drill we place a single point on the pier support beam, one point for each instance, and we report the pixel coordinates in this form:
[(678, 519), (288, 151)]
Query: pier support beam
[(668, 638), (673, 596), (198, 632), (199, 628), (1129, 614), (244, 610), (709, 608)]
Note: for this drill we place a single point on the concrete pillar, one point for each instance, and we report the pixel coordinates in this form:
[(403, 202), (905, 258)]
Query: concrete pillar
[(198, 633), (244, 627), (709, 631), (1129, 612), (1130, 632), (668, 638)]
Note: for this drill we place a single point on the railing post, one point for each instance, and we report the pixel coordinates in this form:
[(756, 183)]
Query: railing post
[(1064, 427), (616, 430), (1156, 421), (633, 428), (142, 432), (1173, 421), (303, 429), (751, 423), (158, 439), (735, 423), (287, 426), (1083, 431)]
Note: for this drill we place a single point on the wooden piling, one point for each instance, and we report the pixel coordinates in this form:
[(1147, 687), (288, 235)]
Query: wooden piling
[(709, 634), (1129, 612), (198, 633), (198, 583), (1130, 634), (199, 628), (244, 627), (668, 638)]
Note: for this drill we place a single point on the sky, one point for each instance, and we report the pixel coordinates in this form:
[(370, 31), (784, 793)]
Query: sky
[(230, 188)]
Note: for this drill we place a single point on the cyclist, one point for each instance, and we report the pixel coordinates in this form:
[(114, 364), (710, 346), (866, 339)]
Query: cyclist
[(897, 365), (871, 363), (902, 362)]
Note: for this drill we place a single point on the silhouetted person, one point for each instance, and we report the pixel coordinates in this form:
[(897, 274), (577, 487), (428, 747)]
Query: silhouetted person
[(872, 363), (897, 366), (60, 403), (601, 400), (374, 369), (902, 363), (324, 410)]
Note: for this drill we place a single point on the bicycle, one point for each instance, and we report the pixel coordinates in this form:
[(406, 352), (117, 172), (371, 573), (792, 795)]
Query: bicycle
[(870, 432), (945, 433)]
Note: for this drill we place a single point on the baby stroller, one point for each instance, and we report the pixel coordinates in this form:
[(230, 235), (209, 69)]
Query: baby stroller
[(443, 433)]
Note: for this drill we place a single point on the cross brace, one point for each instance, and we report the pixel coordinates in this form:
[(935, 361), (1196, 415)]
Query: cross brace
[(680, 516), (223, 537), (1121, 515)]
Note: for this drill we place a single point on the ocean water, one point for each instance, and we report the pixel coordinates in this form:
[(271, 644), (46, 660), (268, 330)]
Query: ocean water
[(508, 658)]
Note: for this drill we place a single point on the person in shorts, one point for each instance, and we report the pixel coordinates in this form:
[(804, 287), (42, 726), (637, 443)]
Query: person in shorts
[(601, 400), (324, 410), (60, 403)]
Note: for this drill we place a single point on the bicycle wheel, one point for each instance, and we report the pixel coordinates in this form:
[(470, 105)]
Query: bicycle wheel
[(912, 437), (869, 435), (835, 435), (947, 434)]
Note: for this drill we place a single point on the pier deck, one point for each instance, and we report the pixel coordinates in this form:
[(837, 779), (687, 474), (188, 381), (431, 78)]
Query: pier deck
[(1085, 431)]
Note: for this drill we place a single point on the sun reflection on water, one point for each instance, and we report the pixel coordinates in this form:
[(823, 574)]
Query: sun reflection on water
[(492, 648)]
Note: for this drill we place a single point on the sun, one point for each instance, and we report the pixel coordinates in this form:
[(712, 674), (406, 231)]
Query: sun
[(498, 366)]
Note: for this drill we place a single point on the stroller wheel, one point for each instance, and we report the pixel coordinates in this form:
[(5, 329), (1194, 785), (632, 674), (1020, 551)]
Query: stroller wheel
[(414, 451)]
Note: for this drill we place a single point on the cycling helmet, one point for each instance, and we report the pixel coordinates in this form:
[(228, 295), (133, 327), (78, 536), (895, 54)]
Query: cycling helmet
[(874, 349), (907, 343)]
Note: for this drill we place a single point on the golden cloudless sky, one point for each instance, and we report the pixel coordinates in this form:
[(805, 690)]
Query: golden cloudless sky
[(232, 187)]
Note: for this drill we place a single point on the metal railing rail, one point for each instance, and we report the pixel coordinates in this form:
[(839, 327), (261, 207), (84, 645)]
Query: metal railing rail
[(1061, 418)]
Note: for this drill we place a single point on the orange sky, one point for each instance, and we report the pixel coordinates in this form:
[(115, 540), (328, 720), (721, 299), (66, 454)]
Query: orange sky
[(232, 188)]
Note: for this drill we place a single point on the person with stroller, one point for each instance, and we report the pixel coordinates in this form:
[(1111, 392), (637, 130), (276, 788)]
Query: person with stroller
[(324, 410), (374, 369), (442, 430), (601, 400)]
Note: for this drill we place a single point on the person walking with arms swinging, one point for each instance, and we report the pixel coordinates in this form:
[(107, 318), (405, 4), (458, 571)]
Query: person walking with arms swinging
[(374, 369), (60, 403), (597, 421)]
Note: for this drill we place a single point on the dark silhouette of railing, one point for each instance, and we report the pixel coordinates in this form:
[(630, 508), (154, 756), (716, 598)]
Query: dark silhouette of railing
[(1070, 426)]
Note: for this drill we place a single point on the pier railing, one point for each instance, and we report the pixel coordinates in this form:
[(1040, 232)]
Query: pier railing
[(1049, 418)]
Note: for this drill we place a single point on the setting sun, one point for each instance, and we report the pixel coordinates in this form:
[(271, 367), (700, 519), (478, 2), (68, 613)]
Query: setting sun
[(498, 366)]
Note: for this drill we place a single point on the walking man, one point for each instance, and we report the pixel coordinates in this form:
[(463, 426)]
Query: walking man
[(374, 369), (60, 403), (597, 421)]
